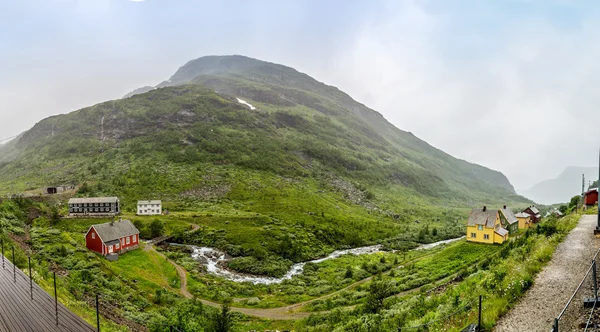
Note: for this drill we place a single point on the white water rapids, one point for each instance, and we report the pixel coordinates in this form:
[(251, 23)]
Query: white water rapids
[(214, 259)]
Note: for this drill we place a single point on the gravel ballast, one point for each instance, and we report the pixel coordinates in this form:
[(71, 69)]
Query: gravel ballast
[(555, 284)]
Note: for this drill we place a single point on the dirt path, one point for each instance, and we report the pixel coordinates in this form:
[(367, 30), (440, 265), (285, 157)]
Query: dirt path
[(555, 284), (290, 312)]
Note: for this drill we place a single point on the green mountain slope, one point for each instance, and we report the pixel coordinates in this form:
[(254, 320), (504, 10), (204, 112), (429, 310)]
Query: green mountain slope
[(325, 168)]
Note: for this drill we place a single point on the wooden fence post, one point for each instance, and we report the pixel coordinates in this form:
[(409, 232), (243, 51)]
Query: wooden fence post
[(97, 314), (55, 300), (30, 279), (479, 324), (14, 265)]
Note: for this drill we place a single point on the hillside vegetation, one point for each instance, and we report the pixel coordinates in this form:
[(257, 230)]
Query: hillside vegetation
[(309, 169)]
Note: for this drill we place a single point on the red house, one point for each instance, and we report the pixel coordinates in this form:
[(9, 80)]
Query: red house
[(112, 237), (534, 214), (591, 197)]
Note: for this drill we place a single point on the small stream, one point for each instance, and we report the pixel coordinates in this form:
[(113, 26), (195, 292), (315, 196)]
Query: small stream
[(214, 260)]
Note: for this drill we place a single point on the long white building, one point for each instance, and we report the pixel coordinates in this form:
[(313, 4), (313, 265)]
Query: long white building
[(149, 208)]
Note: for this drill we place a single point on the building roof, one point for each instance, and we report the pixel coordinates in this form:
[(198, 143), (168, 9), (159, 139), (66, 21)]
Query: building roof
[(509, 215), (522, 215), (93, 200), (149, 202), (115, 230), (113, 242), (480, 217), (534, 210), (501, 231), (591, 190)]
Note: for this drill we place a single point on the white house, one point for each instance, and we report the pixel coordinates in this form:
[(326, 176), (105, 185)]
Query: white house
[(149, 208)]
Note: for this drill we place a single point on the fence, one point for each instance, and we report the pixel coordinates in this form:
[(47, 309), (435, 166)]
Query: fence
[(464, 314), (578, 313), (102, 307)]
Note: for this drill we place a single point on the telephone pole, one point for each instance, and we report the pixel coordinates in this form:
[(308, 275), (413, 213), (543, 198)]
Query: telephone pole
[(582, 189), (597, 230)]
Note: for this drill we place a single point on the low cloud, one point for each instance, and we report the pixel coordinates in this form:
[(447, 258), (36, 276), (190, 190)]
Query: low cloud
[(520, 99)]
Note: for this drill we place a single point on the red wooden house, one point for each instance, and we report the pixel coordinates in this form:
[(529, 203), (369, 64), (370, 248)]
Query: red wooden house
[(534, 214), (591, 197), (112, 237)]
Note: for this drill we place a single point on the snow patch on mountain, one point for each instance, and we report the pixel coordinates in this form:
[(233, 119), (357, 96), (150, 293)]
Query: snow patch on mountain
[(241, 101)]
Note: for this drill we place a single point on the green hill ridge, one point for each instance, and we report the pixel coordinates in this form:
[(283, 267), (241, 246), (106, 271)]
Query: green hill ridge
[(328, 170)]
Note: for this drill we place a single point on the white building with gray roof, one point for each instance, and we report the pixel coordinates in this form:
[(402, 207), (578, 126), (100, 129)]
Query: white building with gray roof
[(149, 208)]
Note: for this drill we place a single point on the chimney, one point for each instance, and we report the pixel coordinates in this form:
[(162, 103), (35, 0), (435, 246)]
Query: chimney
[(504, 207), (484, 208)]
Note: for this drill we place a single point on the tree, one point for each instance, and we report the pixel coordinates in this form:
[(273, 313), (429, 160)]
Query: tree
[(379, 290), (434, 231), (348, 272), (574, 201), (84, 189), (563, 209), (223, 321), (156, 228), (54, 215)]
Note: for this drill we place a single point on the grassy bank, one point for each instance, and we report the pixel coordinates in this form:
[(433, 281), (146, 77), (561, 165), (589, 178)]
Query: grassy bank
[(502, 280)]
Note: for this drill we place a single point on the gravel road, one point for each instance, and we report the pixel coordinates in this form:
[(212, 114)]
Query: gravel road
[(555, 284)]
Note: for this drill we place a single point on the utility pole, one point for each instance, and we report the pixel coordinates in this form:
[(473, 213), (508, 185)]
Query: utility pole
[(597, 230), (582, 190)]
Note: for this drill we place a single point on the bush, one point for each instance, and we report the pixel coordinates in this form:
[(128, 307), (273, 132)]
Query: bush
[(156, 228), (271, 266), (379, 290)]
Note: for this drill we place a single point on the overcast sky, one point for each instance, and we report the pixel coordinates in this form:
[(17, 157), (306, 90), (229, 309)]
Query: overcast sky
[(512, 85)]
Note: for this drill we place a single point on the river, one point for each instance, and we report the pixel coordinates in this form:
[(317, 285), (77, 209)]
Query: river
[(214, 260)]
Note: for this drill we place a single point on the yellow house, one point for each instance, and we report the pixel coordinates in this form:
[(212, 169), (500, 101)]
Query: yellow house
[(484, 226), (524, 220)]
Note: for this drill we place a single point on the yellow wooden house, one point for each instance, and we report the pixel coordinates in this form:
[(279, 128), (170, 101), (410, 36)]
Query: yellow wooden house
[(524, 220), (484, 226)]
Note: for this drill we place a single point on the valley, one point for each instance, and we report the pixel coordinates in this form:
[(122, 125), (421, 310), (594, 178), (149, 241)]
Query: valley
[(337, 286), (325, 215)]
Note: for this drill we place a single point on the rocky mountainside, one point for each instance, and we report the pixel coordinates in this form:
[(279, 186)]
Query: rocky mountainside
[(243, 115)]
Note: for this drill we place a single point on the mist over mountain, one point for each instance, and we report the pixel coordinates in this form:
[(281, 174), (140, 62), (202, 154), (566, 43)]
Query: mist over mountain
[(234, 111), (563, 187)]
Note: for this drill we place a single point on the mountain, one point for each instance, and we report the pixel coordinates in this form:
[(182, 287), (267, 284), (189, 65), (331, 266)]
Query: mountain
[(563, 187), (236, 137), (138, 91)]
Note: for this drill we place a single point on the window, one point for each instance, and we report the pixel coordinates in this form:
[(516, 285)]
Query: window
[(110, 249), (117, 246), (473, 235), (93, 235), (127, 240), (479, 227), (134, 238), (486, 236)]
